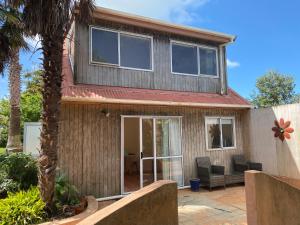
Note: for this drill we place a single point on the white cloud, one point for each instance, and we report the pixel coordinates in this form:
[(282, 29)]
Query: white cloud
[(33, 42), (177, 11), (232, 64)]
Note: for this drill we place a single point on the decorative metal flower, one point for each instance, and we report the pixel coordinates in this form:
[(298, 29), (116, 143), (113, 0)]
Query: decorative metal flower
[(282, 129)]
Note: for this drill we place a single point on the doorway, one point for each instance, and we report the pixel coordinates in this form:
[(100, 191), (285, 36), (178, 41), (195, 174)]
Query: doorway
[(150, 151)]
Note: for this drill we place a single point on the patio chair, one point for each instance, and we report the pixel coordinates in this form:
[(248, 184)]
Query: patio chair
[(240, 164), (210, 175)]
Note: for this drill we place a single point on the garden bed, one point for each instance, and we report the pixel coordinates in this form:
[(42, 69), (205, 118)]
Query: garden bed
[(20, 199), (92, 207)]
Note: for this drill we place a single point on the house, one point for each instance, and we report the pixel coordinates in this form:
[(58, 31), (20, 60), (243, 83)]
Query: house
[(141, 100)]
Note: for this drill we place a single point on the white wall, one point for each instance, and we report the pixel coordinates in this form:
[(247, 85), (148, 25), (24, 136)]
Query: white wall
[(31, 142), (278, 158)]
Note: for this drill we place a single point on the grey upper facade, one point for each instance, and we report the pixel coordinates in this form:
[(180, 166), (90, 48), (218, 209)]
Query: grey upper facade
[(115, 52)]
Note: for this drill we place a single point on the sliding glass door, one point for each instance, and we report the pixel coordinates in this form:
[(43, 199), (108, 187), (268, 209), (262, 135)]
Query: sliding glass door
[(151, 151), (161, 155)]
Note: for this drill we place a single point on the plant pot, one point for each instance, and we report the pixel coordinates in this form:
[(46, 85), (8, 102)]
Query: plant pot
[(195, 184), (81, 206)]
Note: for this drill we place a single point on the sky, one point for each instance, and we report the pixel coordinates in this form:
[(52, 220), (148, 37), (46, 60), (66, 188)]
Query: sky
[(268, 34)]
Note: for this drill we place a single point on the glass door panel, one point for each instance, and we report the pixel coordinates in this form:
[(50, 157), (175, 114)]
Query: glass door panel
[(148, 172), (168, 150), (162, 137), (147, 152), (131, 158), (175, 137), (147, 134), (168, 137), (170, 169)]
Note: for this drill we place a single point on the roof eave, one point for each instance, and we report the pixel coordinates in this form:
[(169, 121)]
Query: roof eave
[(154, 24), (151, 102)]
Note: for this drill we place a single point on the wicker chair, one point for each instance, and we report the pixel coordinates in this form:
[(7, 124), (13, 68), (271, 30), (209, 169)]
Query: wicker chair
[(241, 165), (210, 175)]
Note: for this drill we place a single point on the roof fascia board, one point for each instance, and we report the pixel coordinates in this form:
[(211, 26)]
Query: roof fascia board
[(150, 102), (154, 24)]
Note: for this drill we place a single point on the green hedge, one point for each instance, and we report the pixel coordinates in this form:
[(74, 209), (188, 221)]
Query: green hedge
[(18, 171), (21, 168), (24, 207)]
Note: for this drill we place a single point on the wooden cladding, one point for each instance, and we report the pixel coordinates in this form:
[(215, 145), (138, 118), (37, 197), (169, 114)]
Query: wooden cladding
[(90, 142), (160, 78)]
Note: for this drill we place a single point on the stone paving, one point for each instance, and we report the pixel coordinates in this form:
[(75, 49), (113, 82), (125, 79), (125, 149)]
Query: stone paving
[(218, 207)]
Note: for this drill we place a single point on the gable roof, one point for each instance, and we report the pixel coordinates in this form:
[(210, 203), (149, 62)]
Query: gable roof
[(125, 95), (154, 24)]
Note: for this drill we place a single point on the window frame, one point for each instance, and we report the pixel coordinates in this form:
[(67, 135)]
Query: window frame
[(182, 43), (220, 118), (71, 55), (141, 36)]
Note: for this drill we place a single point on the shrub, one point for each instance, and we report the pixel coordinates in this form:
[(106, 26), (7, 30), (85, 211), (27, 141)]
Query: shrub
[(65, 193), (6, 185), (24, 207), (21, 168), (3, 137)]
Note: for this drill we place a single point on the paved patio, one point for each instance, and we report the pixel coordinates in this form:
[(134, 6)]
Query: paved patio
[(218, 207)]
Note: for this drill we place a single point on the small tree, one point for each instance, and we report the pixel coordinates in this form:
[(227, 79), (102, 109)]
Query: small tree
[(274, 89)]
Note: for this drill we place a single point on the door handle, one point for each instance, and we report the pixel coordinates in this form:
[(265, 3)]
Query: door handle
[(142, 155)]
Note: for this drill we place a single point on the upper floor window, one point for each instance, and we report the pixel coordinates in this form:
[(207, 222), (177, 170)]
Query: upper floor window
[(121, 49), (196, 60), (220, 132)]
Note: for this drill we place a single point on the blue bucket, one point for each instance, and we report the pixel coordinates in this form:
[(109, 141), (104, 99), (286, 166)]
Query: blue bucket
[(195, 184)]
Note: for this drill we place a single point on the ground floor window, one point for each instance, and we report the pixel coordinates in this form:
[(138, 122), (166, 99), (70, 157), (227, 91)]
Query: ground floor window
[(220, 132)]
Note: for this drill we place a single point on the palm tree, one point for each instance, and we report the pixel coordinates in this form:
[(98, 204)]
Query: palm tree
[(12, 34), (14, 128), (51, 19)]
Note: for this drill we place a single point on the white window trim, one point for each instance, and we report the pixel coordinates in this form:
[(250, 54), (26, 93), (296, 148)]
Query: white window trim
[(119, 54), (220, 119), (198, 59), (71, 33)]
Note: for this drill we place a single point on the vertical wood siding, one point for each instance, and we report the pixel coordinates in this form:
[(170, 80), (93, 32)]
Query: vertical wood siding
[(90, 143), (160, 78)]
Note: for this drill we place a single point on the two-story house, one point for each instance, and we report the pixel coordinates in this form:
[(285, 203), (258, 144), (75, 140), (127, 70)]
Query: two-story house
[(141, 100)]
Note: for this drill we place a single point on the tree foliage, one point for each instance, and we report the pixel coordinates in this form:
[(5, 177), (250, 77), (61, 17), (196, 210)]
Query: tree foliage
[(274, 89), (11, 32)]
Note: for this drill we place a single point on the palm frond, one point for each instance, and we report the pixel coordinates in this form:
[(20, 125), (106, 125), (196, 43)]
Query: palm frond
[(86, 8), (11, 33), (4, 52), (7, 15)]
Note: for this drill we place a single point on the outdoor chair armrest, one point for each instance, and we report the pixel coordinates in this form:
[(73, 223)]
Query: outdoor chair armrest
[(203, 172), (255, 166), (218, 169), (241, 167)]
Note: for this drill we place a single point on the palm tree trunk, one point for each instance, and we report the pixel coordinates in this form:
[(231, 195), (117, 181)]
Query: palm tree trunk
[(14, 132), (52, 78)]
